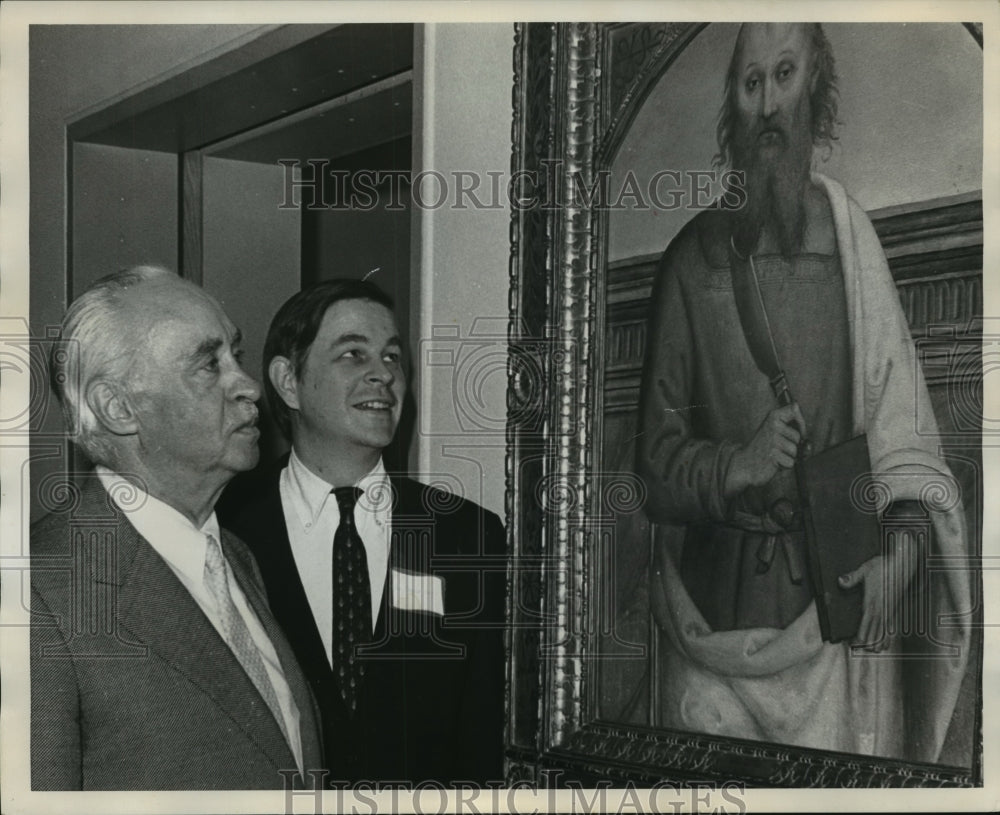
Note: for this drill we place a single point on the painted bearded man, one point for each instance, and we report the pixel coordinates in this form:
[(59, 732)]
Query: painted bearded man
[(742, 650)]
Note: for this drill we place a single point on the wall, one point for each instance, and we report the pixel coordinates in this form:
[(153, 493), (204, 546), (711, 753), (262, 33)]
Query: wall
[(371, 240), (461, 254), (130, 221), (74, 69)]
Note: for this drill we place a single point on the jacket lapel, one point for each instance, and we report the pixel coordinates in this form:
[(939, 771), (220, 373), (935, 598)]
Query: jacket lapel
[(405, 505), (308, 728), (413, 528), (285, 593), (155, 609)]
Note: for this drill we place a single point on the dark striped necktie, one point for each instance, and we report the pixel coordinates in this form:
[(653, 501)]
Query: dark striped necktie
[(352, 601)]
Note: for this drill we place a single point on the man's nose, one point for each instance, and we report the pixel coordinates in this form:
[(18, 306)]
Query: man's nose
[(380, 372), (245, 386), (769, 99)]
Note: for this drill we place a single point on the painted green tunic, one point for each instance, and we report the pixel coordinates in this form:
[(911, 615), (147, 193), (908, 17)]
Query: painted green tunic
[(703, 396)]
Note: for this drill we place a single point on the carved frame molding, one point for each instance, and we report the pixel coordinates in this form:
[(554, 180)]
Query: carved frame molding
[(577, 87)]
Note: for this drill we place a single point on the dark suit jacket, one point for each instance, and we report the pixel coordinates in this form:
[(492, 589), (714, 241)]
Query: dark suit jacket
[(132, 688), (432, 704)]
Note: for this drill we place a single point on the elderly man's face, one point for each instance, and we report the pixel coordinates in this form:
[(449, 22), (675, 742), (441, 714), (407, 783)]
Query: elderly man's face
[(773, 83), (195, 403)]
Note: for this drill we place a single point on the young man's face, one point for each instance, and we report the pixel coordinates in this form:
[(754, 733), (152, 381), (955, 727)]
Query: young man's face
[(351, 385)]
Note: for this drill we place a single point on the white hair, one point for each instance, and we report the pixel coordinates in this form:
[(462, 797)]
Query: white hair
[(94, 345)]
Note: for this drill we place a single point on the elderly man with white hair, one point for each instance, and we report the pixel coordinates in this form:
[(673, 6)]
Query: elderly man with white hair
[(155, 660)]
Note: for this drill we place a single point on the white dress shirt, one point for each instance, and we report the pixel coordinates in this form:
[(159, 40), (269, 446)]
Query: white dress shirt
[(184, 548), (312, 517)]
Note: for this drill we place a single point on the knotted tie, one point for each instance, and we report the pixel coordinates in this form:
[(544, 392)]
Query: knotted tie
[(352, 602), (235, 631)]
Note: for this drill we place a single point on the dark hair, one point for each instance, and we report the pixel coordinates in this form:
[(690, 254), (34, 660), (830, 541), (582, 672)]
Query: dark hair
[(293, 330), (822, 100)]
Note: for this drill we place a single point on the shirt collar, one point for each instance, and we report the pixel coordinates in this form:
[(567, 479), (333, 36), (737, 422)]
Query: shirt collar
[(313, 492), (173, 535)]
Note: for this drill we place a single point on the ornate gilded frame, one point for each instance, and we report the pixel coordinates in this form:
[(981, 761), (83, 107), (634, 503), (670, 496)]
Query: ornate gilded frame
[(577, 88)]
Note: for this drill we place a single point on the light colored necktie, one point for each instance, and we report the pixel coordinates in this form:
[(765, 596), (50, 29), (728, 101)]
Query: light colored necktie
[(235, 631)]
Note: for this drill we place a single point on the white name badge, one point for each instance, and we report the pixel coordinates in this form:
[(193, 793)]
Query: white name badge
[(414, 591)]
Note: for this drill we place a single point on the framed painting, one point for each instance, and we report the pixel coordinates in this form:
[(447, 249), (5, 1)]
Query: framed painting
[(664, 622)]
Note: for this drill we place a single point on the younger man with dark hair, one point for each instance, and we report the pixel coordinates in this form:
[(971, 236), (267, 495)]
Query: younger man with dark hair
[(390, 591)]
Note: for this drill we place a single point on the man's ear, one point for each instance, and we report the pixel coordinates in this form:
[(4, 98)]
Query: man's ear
[(283, 379), (112, 407)]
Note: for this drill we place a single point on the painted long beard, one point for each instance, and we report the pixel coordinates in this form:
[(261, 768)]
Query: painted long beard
[(775, 189)]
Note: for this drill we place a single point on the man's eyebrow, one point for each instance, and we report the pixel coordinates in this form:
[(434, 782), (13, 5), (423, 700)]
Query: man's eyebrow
[(362, 338), (206, 348), (345, 338)]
